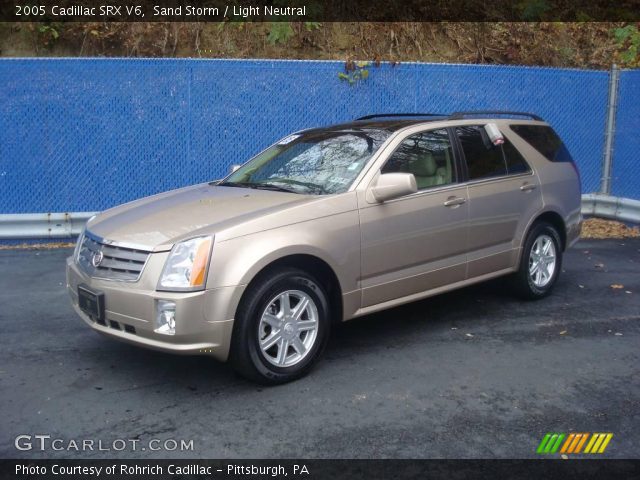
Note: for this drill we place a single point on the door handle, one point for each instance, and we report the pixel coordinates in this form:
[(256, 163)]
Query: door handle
[(454, 201), (527, 187)]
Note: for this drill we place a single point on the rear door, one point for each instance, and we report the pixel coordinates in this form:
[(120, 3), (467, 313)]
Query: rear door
[(504, 194)]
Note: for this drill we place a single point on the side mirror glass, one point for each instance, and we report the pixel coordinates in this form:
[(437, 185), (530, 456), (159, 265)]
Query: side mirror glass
[(393, 185)]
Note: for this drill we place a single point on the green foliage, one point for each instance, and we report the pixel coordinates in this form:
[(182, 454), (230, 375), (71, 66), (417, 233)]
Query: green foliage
[(533, 10), (237, 24), (49, 33), (354, 72), (312, 26), (280, 32), (628, 40), (566, 54)]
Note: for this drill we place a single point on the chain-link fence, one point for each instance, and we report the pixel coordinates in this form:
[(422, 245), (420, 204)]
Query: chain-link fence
[(625, 176), (87, 134)]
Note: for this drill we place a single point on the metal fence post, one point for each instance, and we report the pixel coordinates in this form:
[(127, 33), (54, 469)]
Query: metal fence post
[(607, 161)]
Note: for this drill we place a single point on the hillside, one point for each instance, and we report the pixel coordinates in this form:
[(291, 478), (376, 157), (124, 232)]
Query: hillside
[(583, 45)]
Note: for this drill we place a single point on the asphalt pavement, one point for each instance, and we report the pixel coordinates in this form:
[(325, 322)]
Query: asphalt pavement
[(469, 374)]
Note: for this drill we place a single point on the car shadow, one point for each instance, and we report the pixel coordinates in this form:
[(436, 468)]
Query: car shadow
[(416, 321)]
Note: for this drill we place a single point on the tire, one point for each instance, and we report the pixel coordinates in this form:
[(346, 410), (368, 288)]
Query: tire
[(530, 282), (263, 318)]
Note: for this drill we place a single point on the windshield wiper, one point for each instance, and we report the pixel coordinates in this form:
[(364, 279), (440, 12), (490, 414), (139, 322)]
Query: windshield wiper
[(257, 186), (271, 186), (312, 187), (237, 184)]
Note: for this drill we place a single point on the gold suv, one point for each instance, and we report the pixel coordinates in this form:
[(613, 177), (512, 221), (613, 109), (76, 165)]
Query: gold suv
[(326, 225)]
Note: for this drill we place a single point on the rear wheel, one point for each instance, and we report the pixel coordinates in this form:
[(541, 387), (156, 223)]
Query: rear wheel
[(540, 263), (281, 327)]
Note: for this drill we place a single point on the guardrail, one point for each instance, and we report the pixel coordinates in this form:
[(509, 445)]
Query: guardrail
[(68, 225), (615, 208), (23, 226)]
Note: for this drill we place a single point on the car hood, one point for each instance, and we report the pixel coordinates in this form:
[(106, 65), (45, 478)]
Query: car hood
[(157, 222)]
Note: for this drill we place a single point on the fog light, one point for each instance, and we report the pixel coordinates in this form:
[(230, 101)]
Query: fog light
[(166, 317)]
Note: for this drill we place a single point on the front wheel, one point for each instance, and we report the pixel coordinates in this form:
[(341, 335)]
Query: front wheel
[(281, 327), (540, 263)]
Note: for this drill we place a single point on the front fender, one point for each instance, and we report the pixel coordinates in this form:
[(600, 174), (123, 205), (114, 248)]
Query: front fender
[(334, 240)]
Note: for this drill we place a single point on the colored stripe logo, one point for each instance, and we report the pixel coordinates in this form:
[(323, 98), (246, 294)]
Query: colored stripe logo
[(574, 443)]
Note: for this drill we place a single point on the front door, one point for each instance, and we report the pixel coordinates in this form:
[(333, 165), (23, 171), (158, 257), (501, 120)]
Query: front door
[(418, 242)]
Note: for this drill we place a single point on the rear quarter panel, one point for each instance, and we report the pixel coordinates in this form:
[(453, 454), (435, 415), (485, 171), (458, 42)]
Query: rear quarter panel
[(559, 184)]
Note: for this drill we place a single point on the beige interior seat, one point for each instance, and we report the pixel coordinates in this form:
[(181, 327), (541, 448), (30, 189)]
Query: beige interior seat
[(427, 172)]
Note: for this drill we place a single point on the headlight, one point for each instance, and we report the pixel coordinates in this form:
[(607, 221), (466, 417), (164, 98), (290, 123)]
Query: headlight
[(186, 267), (76, 252)]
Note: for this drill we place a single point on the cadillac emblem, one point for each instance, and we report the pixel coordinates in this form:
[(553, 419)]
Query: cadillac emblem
[(96, 260)]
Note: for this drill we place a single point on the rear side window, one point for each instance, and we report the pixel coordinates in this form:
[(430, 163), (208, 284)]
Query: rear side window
[(486, 160), (545, 141), (515, 161)]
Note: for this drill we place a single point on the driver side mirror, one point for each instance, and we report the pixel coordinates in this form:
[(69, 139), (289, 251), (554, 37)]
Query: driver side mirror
[(393, 185)]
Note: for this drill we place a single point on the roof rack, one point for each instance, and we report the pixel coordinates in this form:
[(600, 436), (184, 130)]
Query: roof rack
[(462, 115), (454, 115), (382, 115)]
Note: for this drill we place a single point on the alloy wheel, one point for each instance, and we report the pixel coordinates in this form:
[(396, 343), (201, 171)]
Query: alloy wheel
[(542, 261), (288, 328)]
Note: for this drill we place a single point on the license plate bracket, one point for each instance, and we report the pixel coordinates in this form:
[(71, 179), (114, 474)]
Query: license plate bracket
[(91, 303)]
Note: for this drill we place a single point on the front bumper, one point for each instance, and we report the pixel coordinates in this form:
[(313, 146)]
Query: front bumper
[(204, 320)]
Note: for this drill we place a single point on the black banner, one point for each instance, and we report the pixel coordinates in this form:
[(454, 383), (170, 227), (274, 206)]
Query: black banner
[(317, 10), (321, 469)]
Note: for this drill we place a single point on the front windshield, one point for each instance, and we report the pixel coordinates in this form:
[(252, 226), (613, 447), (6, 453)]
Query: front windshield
[(310, 163)]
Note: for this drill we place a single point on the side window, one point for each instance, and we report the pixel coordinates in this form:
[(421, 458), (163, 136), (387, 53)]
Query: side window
[(486, 160), (545, 140), (428, 155), (515, 161)]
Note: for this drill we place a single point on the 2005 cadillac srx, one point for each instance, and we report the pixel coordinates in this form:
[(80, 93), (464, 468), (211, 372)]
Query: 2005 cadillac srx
[(326, 225)]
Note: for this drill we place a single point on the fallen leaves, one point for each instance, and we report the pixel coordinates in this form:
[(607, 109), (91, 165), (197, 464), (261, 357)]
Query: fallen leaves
[(616, 286), (600, 228), (37, 246)]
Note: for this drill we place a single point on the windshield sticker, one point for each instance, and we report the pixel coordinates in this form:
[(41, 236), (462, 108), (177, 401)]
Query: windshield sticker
[(288, 139)]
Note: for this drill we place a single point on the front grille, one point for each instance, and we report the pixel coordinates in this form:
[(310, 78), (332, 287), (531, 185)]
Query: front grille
[(118, 263)]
